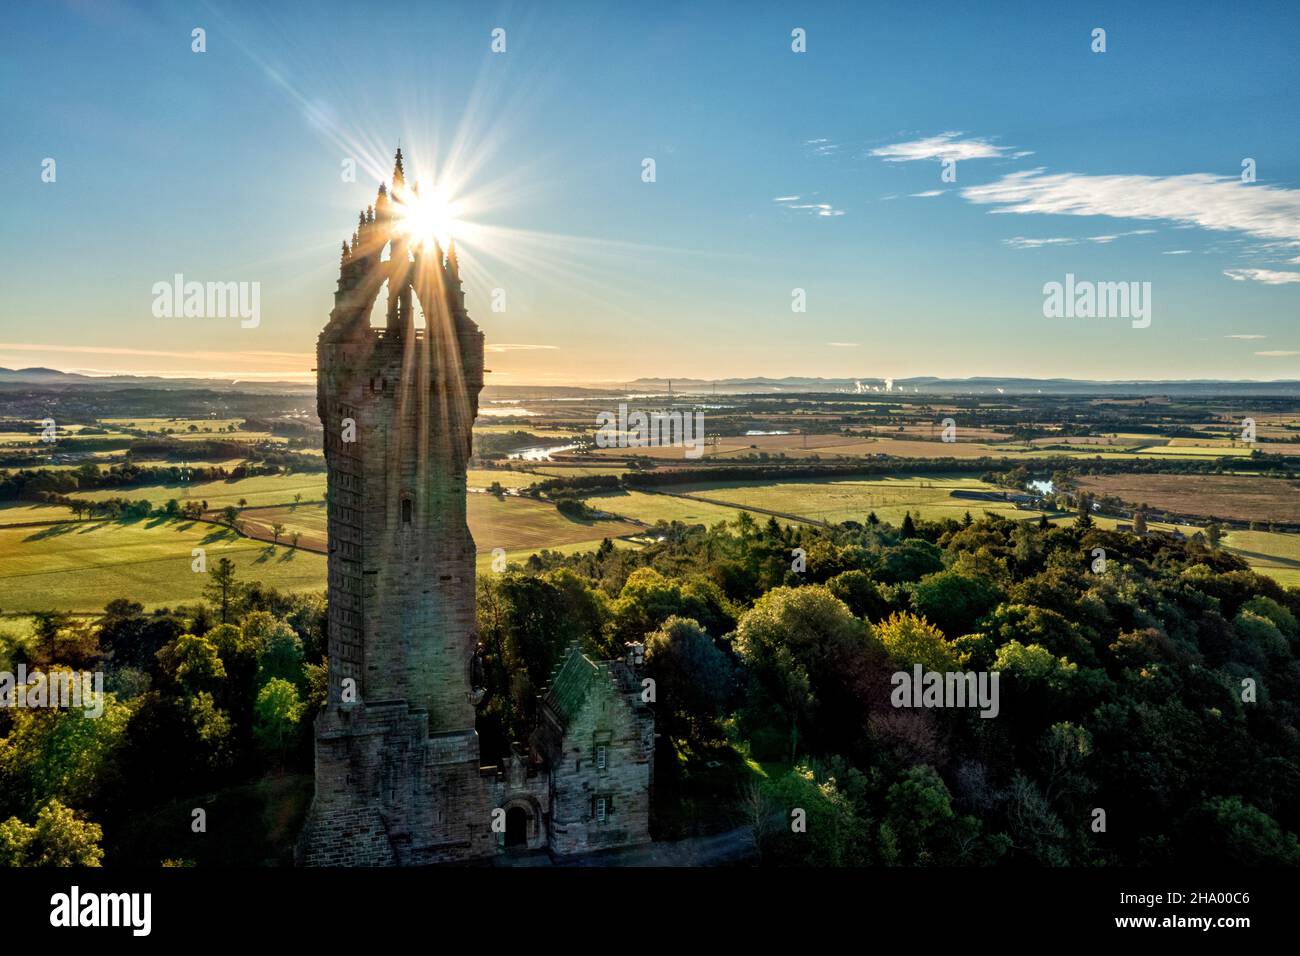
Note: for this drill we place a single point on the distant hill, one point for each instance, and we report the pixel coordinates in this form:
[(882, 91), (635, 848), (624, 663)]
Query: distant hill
[(982, 385), (53, 377)]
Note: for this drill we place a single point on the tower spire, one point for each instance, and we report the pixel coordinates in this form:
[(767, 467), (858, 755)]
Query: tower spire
[(399, 174)]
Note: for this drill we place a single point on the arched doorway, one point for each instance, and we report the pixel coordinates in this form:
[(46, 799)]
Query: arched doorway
[(516, 827)]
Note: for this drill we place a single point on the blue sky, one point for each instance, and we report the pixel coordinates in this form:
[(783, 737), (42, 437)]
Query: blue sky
[(225, 166)]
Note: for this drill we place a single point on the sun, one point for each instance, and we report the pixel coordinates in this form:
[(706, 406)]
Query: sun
[(428, 217)]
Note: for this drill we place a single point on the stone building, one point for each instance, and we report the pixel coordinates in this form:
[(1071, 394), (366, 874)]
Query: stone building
[(399, 776), (597, 739)]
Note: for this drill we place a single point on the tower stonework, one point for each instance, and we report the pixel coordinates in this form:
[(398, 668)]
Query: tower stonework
[(399, 780), (397, 756)]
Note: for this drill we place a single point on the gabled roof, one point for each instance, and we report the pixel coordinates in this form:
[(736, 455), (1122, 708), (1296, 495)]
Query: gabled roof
[(570, 685)]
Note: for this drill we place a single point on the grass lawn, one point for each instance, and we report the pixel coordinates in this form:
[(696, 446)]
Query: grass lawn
[(262, 490), (81, 566), (26, 513), (651, 508), (836, 500), (516, 524)]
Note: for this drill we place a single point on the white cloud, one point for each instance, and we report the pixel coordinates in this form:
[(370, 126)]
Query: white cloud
[(1278, 354), (843, 345), (1176, 252), (927, 194), (1243, 336), (813, 208), (1267, 276), (1021, 242), (513, 347), (943, 146), (1119, 235), (1194, 200)]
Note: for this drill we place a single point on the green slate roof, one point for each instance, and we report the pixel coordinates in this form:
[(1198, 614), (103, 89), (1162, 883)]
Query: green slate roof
[(570, 685)]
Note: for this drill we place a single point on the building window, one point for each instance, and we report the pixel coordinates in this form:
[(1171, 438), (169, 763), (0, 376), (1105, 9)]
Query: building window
[(600, 809), (406, 511), (600, 757)]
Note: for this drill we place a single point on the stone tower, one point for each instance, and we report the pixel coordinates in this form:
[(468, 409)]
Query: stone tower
[(397, 756)]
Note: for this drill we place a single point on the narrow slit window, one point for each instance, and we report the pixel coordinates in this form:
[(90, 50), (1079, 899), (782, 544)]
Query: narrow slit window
[(406, 511)]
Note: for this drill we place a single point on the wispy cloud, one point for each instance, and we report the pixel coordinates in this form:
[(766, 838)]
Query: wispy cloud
[(822, 147), (1279, 353), (516, 347), (1267, 276), (813, 208), (1219, 203), (1022, 242), (927, 194), (1120, 235), (843, 345), (944, 146), (1244, 336), (1176, 252)]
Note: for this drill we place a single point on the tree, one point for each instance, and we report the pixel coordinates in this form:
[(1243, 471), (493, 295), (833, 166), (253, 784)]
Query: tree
[(1140, 522), (955, 599), (293, 539), (193, 662), (222, 588), (46, 626), (914, 640), (832, 831), (276, 715), (60, 837), (277, 529), (1214, 534), (908, 529), (692, 677), (811, 660), (856, 589), (230, 515)]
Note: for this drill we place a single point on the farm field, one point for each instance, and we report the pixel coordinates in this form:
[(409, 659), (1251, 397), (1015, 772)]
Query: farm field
[(836, 500), (652, 508), (1235, 497), (24, 513), (516, 524), (81, 566), (483, 563), (1277, 555), (859, 445), (483, 477), (261, 490)]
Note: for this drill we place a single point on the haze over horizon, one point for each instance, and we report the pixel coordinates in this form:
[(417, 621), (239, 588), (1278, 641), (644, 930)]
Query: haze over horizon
[(775, 171)]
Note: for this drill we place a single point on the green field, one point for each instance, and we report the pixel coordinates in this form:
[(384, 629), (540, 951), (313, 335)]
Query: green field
[(263, 490), (81, 566), (836, 500), (483, 477), (24, 513), (511, 522), (1268, 552), (651, 508)]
